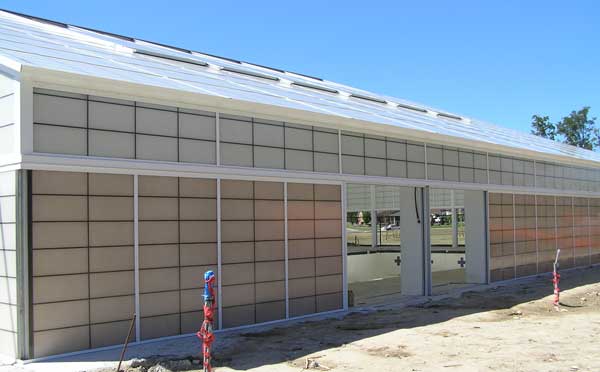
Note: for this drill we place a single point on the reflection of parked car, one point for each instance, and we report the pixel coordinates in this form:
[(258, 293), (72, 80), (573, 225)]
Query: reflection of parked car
[(390, 227)]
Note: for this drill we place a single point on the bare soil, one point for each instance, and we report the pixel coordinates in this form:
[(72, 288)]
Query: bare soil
[(505, 328)]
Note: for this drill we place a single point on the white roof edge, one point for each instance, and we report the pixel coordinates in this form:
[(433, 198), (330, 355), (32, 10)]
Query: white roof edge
[(58, 80), (10, 67)]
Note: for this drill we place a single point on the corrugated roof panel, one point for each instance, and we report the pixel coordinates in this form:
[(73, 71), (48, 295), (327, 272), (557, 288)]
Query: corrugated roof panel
[(73, 49)]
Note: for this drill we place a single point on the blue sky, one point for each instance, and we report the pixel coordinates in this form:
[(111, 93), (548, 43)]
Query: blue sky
[(501, 61)]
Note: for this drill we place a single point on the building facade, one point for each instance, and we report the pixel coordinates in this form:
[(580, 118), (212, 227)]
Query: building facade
[(120, 188)]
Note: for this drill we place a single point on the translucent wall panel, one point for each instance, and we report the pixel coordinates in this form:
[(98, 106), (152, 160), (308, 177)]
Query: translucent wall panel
[(8, 265), (525, 236), (502, 237)]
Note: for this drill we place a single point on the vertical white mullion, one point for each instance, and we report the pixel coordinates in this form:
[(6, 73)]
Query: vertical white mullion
[(218, 138), (487, 166), (373, 220), (537, 244), (535, 175), (344, 250), (339, 150), (425, 159), (286, 256), (136, 255), (589, 230), (514, 234), (219, 264), (573, 230)]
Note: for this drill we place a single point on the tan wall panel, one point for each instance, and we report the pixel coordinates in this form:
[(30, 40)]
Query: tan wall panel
[(111, 233), (158, 208), (268, 210), (328, 210), (111, 258), (268, 190), (301, 268), (237, 209), (300, 191), (60, 341), (60, 261), (111, 284), (328, 228), (159, 232), (235, 231), (329, 265), (60, 234), (237, 252), (238, 316), (153, 256), (302, 287), (270, 291), (192, 300), (198, 231), (109, 333), (234, 295), (57, 208), (111, 208), (111, 309), (329, 302), (301, 210), (269, 250), (60, 288), (301, 248), (328, 247), (236, 189), (159, 326), (269, 271), (60, 315), (237, 273), (157, 186), (329, 284), (160, 303), (111, 184), (154, 280), (193, 276), (59, 110), (159, 122), (197, 188), (270, 311), (302, 306), (269, 230), (50, 182), (198, 254), (301, 229), (197, 209), (192, 321)]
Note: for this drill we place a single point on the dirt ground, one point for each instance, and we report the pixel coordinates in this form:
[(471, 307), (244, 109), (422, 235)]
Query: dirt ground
[(506, 328)]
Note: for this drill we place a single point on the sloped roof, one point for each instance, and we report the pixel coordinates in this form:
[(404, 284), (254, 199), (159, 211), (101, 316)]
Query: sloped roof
[(41, 43)]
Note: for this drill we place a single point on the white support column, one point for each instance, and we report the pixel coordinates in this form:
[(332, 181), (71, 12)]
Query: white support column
[(412, 219), (219, 265), (373, 220), (286, 254), (136, 257), (476, 237), (454, 221), (344, 249), (218, 139)]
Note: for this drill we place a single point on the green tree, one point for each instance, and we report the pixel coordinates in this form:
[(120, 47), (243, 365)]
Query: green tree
[(576, 129), (543, 127), (579, 130)]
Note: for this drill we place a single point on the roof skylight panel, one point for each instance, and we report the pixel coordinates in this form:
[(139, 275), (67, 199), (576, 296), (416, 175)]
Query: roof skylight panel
[(315, 87), (448, 116), (171, 57), (249, 73), (368, 98), (412, 108)]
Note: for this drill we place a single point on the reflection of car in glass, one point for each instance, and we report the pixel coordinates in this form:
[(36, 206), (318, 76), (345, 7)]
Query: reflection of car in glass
[(390, 227)]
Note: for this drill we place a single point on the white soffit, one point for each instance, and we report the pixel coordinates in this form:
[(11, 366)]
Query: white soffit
[(38, 43)]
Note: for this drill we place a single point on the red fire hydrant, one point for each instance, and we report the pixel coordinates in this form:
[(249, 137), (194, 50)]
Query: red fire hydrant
[(205, 334)]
